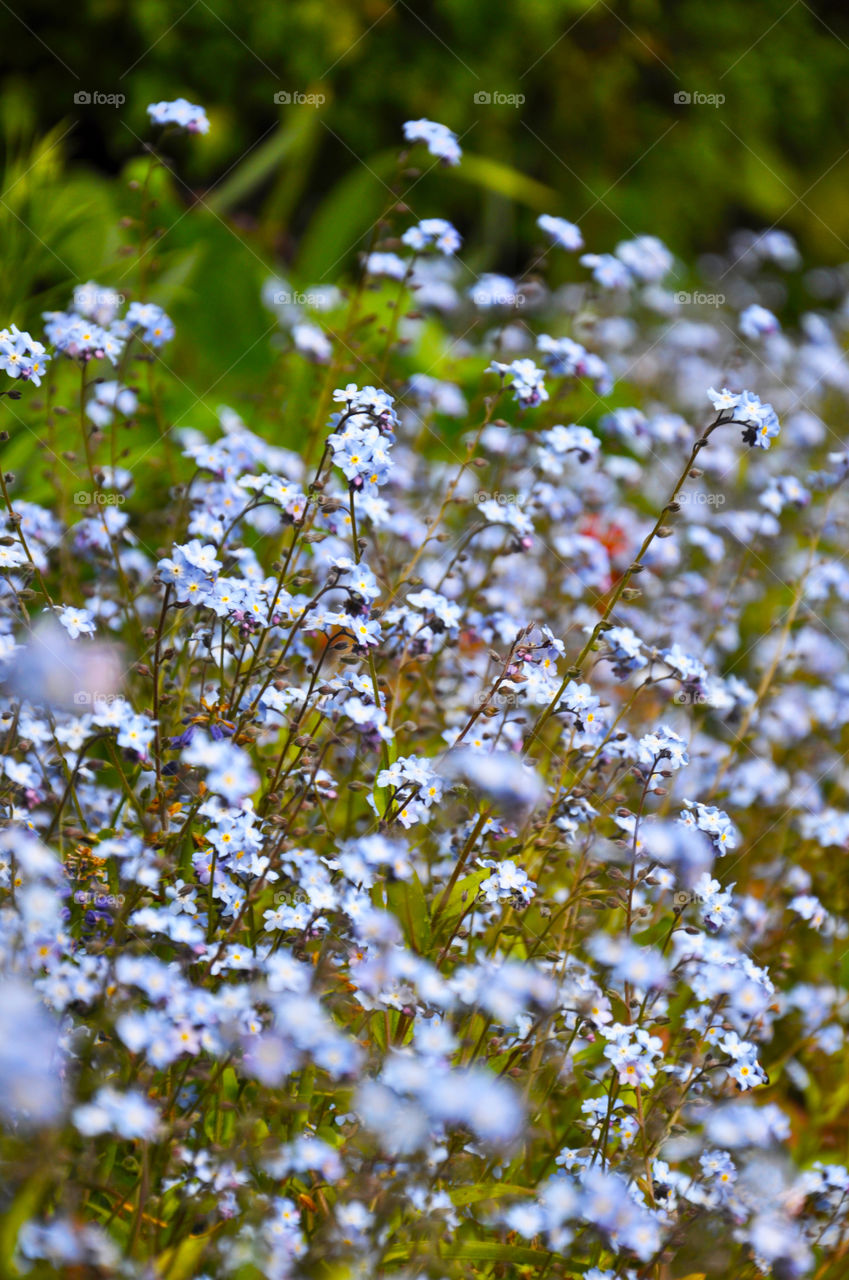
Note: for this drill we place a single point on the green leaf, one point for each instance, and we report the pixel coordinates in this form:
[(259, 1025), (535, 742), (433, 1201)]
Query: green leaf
[(181, 1262), (344, 220), (464, 892), (23, 1208), (503, 180), (288, 140), (493, 1251), (377, 1030), (407, 900), (486, 1191)]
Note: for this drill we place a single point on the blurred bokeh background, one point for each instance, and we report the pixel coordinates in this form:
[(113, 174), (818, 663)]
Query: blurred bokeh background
[(678, 117)]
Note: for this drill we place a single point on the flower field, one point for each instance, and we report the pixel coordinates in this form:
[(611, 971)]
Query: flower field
[(424, 794)]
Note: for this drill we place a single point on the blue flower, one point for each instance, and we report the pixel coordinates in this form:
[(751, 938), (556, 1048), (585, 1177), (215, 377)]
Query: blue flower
[(433, 233), (562, 233), (440, 140), (181, 113)]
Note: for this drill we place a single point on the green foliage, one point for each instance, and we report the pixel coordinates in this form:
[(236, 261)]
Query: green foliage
[(599, 122), (308, 184)]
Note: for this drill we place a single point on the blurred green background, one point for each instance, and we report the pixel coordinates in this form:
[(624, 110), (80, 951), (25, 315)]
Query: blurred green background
[(599, 138)]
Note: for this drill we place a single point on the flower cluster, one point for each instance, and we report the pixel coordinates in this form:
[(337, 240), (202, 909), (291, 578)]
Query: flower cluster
[(181, 113), (439, 139), (433, 233), (21, 356), (78, 334)]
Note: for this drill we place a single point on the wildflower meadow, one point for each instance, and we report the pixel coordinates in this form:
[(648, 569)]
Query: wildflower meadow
[(424, 790)]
